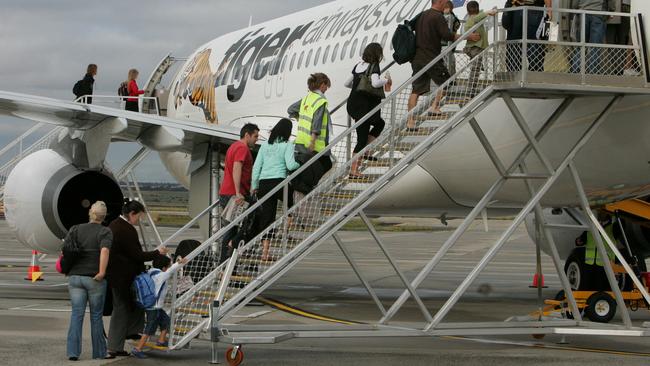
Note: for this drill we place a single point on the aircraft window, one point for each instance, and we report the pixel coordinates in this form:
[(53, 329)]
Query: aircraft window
[(311, 52), (363, 45), (302, 57), (375, 38), (344, 50), (293, 61), (326, 54), (384, 40), (335, 52), (317, 57), (353, 49)]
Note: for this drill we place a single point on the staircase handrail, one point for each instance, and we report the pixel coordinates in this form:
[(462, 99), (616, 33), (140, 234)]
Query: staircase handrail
[(212, 239)]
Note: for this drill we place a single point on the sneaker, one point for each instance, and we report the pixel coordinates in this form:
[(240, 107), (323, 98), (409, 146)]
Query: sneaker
[(631, 72), (138, 354), (162, 344), (73, 358)]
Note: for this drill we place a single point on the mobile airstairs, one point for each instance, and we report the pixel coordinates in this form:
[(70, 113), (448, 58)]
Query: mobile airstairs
[(220, 290)]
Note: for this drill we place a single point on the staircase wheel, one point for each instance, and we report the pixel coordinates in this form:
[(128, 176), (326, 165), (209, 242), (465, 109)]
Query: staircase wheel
[(237, 359), (601, 307)]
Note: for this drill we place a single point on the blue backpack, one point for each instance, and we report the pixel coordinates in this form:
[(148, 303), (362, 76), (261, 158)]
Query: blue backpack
[(144, 290)]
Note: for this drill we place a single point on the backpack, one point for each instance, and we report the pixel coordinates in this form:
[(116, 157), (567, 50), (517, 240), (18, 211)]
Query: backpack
[(123, 90), (404, 41), (144, 290), (76, 89), (71, 251)]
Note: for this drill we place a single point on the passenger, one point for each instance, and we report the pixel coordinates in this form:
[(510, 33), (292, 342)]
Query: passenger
[(431, 30), (513, 22), (618, 32), (595, 32), (156, 316), (274, 161), (314, 121), (362, 102), (134, 91), (85, 86), (454, 25), (237, 178), (474, 49), (86, 282), (126, 262)]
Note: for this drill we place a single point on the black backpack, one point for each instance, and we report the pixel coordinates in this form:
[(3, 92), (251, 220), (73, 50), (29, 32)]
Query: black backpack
[(76, 89), (404, 41), (123, 90)]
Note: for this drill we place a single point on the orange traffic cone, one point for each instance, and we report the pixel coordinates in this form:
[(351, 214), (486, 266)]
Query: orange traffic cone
[(34, 271), (538, 281)]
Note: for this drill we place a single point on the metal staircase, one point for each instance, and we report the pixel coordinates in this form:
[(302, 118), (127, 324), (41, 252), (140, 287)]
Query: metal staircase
[(340, 197)]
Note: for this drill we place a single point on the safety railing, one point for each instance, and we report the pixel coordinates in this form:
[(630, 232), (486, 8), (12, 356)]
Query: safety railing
[(310, 211), (576, 60), (351, 183), (113, 100)]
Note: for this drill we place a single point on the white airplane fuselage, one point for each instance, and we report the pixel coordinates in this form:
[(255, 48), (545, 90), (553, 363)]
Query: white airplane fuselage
[(254, 74)]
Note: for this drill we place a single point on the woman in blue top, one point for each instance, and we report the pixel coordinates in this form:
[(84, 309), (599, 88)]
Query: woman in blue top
[(274, 161)]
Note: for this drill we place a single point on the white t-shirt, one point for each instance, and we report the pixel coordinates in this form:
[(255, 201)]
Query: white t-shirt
[(160, 281)]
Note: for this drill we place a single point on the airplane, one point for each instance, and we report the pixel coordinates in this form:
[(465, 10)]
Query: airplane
[(254, 74)]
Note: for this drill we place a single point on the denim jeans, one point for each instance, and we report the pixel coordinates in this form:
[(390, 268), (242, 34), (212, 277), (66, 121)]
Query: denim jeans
[(85, 290), (595, 32)]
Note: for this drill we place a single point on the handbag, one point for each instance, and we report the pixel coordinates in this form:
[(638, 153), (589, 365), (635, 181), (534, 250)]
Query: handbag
[(233, 209), (71, 252), (365, 85)]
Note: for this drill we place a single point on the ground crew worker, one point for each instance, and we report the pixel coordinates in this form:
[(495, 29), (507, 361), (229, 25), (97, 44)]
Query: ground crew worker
[(314, 121), (592, 256)]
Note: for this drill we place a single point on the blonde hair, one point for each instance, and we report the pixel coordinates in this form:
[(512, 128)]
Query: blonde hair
[(98, 211), (133, 74)]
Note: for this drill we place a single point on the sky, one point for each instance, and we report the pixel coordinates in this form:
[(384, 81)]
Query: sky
[(47, 44)]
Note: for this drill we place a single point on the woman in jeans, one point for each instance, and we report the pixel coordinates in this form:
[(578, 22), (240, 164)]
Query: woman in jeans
[(86, 282), (361, 103), (274, 160)]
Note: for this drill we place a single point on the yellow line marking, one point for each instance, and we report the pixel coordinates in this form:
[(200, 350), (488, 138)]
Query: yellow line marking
[(293, 310)]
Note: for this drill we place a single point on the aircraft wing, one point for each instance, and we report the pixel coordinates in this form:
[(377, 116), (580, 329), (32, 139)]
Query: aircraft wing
[(153, 131)]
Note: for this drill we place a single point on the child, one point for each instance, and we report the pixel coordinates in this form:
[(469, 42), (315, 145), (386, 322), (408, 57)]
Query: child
[(454, 24), (473, 49), (156, 316)]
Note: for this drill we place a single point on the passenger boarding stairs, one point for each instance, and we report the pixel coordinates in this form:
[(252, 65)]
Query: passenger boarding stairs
[(339, 197)]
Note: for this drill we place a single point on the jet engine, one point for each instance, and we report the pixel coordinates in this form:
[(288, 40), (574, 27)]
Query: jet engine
[(45, 195)]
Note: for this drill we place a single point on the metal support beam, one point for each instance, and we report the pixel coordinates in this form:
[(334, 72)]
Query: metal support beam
[(446, 308), (132, 163), (357, 271), (147, 212), (451, 241), (392, 262), (532, 140), (555, 256), (481, 205), (602, 252), (566, 103), (488, 147)]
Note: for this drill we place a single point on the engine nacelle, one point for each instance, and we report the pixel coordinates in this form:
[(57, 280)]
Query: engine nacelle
[(45, 195)]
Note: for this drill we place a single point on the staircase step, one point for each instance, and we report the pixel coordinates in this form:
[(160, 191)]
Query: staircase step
[(434, 116), (195, 311), (256, 261), (340, 195), (422, 131)]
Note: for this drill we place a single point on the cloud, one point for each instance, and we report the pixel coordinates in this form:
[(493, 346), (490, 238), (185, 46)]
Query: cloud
[(47, 44)]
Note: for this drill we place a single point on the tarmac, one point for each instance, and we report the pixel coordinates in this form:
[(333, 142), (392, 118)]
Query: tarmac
[(34, 317)]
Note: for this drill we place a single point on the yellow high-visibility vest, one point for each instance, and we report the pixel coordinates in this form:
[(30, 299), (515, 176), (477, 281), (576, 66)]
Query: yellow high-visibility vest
[(591, 252), (308, 106)]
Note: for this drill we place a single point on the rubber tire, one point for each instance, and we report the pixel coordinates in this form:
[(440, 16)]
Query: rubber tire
[(239, 357), (596, 300), (576, 261)]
